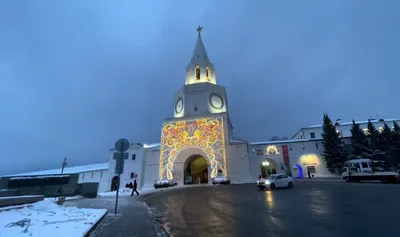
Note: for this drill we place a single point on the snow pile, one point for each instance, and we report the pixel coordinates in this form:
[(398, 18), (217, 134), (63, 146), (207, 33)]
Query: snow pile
[(45, 218), (122, 192)]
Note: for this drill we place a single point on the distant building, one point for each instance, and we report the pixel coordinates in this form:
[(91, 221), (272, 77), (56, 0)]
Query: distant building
[(314, 132), (96, 173)]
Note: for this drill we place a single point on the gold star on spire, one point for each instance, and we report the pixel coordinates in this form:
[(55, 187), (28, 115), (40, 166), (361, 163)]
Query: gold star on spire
[(199, 29)]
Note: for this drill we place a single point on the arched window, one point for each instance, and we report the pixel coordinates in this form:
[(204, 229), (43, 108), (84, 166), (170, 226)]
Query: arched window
[(197, 73), (207, 74)]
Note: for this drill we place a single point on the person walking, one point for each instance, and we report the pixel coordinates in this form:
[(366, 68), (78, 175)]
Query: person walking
[(309, 174), (134, 188)]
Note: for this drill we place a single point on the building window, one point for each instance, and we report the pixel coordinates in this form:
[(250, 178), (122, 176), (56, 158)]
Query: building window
[(92, 174), (133, 156), (195, 108), (312, 134), (207, 74), (197, 73), (316, 145), (101, 174), (132, 175), (83, 176), (311, 169), (304, 148), (290, 147)]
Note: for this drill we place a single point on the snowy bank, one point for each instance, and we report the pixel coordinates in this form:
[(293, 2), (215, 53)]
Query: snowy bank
[(45, 218)]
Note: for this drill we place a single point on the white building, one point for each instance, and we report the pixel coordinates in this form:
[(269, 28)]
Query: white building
[(95, 173), (314, 132)]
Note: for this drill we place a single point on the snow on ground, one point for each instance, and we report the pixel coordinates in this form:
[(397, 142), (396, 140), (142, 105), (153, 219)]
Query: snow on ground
[(66, 198), (45, 218)]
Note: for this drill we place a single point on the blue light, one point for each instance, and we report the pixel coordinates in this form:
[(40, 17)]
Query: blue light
[(300, 174)]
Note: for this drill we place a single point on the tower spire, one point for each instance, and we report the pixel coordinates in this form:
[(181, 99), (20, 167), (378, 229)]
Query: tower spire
[(200, 69), (199, 29)]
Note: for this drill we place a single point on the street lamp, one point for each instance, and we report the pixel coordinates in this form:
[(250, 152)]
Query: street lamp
[(265, 163)]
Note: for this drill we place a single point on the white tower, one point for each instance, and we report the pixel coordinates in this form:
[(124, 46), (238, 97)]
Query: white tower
[(200, 69), (201, 95)]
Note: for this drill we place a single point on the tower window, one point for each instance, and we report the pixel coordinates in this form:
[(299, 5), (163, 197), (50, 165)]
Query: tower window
[(197, 73), (207, 73)]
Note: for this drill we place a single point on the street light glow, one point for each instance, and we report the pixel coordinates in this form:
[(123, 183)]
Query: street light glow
[(265, 163)]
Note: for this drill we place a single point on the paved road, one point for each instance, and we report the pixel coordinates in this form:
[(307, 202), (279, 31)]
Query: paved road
[(328, 209), (132, 219)]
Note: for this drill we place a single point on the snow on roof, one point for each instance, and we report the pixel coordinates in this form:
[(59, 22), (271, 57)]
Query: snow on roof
[(151, 145), (282, 141), (234, 140), (357, 122), (40, 177), (67, 170)]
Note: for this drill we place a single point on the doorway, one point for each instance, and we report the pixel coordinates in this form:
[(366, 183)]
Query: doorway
[(268, 167), (196, 170), (114, 183)]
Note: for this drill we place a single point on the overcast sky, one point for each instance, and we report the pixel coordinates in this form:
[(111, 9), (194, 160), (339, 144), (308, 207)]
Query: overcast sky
[(77, 75)]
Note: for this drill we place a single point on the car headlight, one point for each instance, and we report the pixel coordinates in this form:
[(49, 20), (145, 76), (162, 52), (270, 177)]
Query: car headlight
[(267, 182)]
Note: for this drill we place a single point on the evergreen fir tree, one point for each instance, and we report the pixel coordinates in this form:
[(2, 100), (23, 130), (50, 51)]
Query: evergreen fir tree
[(396, 127), (359, 142), (395, 147), (374, 144), (385, 144), (334, 151)]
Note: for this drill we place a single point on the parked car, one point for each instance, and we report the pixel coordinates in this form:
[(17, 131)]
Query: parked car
[(221, 180), (163, 184), (275, 181)]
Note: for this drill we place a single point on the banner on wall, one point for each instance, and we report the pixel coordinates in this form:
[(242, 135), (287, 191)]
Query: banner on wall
[(285, 153)]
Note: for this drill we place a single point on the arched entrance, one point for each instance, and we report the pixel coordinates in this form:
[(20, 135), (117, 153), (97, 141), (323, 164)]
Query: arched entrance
[(195, 170), (114, 183), (268, 167)]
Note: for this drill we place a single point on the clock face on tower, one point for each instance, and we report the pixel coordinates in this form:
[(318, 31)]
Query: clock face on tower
[(216, 101), (179, 105)]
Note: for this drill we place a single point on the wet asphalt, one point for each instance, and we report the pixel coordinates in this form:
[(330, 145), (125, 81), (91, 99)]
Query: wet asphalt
[(328, 209)]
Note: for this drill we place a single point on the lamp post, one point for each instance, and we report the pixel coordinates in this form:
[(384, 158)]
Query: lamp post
[(63, 165)]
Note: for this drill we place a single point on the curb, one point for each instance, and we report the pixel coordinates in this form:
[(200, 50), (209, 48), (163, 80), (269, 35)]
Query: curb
[(95, 225), (159, 228), (320, 180)]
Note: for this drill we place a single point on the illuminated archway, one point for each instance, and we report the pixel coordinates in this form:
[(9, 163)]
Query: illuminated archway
[(268, 167), (206, 134), (310, 162), (196, 170)]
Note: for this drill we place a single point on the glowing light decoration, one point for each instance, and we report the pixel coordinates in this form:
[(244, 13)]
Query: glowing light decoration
[(272, 150), (206, 134)]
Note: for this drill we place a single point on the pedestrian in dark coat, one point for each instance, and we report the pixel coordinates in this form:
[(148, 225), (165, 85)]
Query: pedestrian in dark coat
[(134, 188)]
